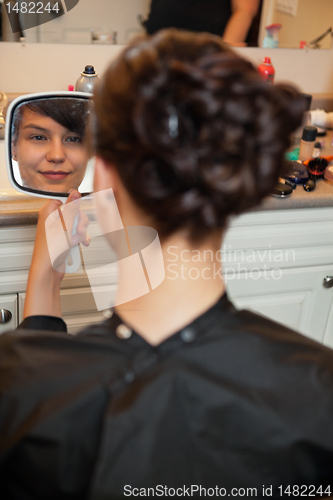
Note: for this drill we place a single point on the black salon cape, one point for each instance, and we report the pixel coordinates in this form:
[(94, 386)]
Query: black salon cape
[(211, 16), (234, 400)]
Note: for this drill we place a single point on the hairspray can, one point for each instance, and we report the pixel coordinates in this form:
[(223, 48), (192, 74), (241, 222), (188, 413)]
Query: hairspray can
[(267, 70)]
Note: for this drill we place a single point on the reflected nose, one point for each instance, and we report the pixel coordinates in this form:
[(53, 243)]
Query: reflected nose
[(56, 152)]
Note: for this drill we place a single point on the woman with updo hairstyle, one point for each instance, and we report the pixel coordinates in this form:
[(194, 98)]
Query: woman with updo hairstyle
[(194, 133), (177, 393)]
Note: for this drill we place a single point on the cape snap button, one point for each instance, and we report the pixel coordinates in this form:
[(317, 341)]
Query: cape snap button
[(123, 332), (129, 377), (153, 358), (108, 313), (187, 335)]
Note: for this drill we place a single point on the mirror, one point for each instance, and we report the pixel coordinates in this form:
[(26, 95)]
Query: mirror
[(47, 144), (301, 21), (105, 21)]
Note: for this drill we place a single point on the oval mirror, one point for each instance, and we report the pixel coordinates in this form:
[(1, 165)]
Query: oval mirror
[(47, 144)]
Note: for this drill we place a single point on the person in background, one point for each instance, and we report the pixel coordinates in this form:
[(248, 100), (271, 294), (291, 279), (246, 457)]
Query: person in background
[(230, 19), (177, 392)]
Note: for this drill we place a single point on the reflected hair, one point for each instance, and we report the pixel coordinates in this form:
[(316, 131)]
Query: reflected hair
[(194, 132), (72, 115)]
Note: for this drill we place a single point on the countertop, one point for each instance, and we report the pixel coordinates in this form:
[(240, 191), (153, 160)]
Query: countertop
[(321, 196), (24, 211), (21, 210)]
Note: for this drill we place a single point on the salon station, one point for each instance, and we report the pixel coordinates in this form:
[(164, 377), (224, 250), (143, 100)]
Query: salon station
[(280, 253)]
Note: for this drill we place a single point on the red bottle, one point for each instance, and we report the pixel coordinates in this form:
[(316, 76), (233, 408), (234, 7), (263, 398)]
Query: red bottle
[(267, 70)]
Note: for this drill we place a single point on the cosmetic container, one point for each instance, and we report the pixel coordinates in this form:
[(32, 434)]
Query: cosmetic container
[(267, 70), (306, 121), (316, 150), (297, 172), (307, 143), (320, 118), (328, 174), (87, 80)]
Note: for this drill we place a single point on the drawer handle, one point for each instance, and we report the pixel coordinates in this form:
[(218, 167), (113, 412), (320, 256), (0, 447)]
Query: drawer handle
[(5, 316), (328, 282)]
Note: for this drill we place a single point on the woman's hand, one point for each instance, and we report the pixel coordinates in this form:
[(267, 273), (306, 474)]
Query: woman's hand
[(66, 228), (45, 275)]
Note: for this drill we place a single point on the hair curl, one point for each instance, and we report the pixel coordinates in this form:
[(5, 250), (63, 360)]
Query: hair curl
[(223, 149)]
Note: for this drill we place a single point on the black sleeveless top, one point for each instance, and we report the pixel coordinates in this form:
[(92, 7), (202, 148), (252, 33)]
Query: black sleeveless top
[(194, 15)]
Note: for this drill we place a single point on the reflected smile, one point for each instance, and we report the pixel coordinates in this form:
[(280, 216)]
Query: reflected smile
[(55, 175)]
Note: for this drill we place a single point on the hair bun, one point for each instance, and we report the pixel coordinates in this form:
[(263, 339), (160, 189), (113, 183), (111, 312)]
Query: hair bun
[(195, 132)]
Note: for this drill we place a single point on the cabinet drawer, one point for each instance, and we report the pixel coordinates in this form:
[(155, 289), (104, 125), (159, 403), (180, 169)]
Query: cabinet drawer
[(279, 238)]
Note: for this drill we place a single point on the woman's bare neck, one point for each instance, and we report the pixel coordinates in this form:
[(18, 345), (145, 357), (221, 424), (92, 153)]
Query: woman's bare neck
[(193, 283)]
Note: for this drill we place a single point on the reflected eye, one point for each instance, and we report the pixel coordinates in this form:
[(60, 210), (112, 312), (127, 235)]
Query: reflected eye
[(38, 138), (74, 139)]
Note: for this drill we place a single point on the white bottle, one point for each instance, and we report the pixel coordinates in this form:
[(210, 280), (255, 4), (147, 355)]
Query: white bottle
[(320, 118)]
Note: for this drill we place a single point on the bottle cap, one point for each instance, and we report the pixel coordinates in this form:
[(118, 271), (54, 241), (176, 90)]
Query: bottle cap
[(309, 133), (89, 70), (266, 60)]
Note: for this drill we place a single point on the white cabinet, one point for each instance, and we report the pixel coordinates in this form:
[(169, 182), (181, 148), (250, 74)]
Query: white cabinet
[(77, 300), (275, 263), (297, 298)]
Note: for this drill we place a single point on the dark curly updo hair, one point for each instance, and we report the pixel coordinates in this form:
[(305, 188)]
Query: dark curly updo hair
[(193, 130)]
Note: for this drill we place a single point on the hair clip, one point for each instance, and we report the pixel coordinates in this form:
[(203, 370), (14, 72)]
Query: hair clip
[(173, 122)]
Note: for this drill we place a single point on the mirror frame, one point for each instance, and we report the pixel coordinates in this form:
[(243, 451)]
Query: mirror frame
[(8, 140)]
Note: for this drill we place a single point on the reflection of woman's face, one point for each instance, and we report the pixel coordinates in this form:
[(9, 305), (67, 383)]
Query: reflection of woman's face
[(50, 157)]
